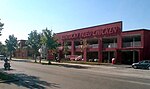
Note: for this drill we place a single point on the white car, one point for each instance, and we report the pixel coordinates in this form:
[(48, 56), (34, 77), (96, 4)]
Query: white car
[(2, 57), (78, 58)]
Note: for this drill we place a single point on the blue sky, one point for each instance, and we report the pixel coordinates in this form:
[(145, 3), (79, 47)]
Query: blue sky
[(22, 16)]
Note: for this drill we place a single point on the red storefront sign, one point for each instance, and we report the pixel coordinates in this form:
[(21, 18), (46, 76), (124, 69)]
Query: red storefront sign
[(97, 31)]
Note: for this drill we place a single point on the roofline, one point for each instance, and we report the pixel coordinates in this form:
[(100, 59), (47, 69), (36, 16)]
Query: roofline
[(90, 27), (136, 30)]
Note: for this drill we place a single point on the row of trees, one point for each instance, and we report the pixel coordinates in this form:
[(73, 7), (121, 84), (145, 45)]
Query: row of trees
[(11, 44), (1, 27), (2, 46), (35, 42)]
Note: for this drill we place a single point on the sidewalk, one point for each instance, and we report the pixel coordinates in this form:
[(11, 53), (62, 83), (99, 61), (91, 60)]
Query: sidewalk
[(107, 65)]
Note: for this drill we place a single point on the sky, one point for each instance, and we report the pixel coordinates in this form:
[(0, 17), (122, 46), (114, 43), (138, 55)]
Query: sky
[(20, 17)]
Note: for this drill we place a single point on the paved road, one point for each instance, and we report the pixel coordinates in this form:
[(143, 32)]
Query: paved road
[(38, 76)]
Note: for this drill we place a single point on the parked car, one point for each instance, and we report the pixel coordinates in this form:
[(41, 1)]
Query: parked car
[(2, 57), (78, 58), (145, 64)]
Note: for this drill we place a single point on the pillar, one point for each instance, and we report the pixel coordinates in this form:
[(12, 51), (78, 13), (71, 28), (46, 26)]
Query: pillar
[(72, 47), (85, 55), (100, 49), (133, 55), (118, 56), (140, 55), (118, 52), (119, 42)]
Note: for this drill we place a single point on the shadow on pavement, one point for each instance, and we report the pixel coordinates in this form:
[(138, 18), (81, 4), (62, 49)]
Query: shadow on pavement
[(68, 66), (27, 81)]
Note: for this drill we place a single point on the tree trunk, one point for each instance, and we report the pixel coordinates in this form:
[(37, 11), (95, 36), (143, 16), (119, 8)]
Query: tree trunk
[(35, 58), (49, 62), (40, 59), (10, 56)]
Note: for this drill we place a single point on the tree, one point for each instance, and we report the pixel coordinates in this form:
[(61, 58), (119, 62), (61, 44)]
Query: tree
[(49, 40), (1, 27), (11, 44), (33, 42), (84, 45), (3, 49), (66, 49)]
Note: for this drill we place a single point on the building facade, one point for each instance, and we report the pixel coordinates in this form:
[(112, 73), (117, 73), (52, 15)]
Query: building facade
[(103, 42), (21, 51)]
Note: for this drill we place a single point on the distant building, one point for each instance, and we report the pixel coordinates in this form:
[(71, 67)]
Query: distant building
[(103, 42), (22, 51)]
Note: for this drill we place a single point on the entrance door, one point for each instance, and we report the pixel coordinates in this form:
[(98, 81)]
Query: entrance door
[(92, 56), (107, 56), (129, 57)]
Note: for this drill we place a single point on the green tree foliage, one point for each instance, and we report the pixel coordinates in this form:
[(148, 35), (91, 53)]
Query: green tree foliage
[(33, 42), (66, 49), (48, 39), (83, 44), (3, 49), (1, 27), (11, 44)]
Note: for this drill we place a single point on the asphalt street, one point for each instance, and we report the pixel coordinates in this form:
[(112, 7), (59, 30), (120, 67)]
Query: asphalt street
[(69, 76)]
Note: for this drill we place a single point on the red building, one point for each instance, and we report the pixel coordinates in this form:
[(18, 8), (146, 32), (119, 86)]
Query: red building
[(21, 51), (103, 42)]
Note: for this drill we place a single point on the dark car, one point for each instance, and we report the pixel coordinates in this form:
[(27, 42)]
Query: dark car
[(145, 64)]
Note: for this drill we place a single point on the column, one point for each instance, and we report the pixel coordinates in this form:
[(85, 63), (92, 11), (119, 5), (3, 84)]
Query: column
[(133, 54), (118, 56), (72, 47), (119, 42), (140, 55), (100, 49), (118, 51), (85, 55), (60, 51), (108, 57)]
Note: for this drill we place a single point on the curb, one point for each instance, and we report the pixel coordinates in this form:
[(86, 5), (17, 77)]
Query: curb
[(76, 64)]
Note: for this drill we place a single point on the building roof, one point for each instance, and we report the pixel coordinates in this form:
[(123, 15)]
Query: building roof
[(90, 27)]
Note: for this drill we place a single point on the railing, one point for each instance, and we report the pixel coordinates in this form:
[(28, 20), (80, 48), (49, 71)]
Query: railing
[(93, 46), (69, 47), (89, 46), (132, 44), (110, 45), (79, 46)]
